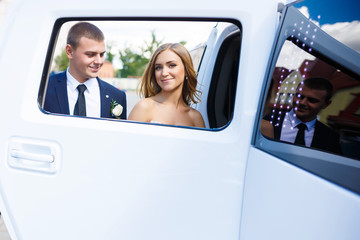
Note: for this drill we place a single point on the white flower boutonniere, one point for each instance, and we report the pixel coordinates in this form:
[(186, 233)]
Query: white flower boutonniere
[(116, 108)]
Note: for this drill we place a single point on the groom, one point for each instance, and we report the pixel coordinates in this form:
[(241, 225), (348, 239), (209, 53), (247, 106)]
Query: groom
[(78, 90), (300, 126)]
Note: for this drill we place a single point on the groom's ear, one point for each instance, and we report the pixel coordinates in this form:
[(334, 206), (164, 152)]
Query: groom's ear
[(69, 51)]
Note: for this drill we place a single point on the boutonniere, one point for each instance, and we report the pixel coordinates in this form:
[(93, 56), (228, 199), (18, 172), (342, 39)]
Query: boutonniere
[(116, 109)]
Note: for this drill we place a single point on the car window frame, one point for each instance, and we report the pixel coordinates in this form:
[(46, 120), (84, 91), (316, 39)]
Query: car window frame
[(54, 40), (338, 169)]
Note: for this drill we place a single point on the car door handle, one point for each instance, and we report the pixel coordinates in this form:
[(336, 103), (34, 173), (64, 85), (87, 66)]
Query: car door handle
[(18, 154), (34, 155)]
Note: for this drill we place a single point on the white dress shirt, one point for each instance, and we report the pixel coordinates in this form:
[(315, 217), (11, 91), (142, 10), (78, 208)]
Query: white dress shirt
[(289, 129), (92, 95)]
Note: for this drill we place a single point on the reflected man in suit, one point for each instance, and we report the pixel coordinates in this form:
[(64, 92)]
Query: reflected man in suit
[(300, 126), (78, 90)]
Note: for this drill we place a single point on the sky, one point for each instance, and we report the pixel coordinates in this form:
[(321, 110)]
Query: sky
[(338, 18), (332, 11)]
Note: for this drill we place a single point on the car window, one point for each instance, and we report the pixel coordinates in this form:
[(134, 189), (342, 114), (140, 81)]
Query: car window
[(340, 117), (129, 45), (308, 112)]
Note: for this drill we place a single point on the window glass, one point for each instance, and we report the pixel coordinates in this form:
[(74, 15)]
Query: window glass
[(129, 46), (294, 97)]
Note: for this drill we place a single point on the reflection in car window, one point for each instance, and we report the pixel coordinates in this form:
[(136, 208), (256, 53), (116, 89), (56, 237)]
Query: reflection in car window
[(341, 115)]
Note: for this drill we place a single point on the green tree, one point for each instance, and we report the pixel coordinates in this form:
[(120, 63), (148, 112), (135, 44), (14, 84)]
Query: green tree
[(109, 56), (61, 61), (151, 46), (134, 64)]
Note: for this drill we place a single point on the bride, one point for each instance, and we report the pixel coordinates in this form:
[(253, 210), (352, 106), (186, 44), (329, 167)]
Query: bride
[(169, 86)]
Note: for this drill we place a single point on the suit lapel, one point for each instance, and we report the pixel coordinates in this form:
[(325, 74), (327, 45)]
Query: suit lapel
[(316, 142), (61, 93), (104, 99)]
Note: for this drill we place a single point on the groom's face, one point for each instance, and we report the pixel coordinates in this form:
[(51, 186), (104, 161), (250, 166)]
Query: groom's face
[(87, 59), (309, 102)]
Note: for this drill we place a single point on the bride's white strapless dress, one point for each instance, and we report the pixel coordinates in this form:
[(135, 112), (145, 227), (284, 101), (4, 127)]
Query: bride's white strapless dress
[(155, 122)]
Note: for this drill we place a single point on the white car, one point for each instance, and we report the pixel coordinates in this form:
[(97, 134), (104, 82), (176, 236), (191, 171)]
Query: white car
[(66, 177)]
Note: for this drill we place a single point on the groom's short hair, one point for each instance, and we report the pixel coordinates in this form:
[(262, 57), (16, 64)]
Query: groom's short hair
[(319, 83), (83, 29)]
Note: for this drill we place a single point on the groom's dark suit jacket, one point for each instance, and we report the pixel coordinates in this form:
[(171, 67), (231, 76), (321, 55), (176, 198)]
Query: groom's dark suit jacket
[(56, 100), (324, 137)]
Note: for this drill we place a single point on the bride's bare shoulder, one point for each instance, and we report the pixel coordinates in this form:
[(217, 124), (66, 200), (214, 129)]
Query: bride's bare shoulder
[(197, 118), (146, 103), (142, 110)]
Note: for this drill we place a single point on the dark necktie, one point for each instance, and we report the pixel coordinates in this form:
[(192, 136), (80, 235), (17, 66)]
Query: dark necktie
[(300, 137), (80, 107)]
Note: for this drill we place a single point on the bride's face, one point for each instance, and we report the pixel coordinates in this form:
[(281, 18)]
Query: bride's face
[(169, 71)]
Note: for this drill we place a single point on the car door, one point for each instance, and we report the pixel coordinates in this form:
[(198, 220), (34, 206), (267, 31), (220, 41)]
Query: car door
[(295, 192), (65, 177)]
